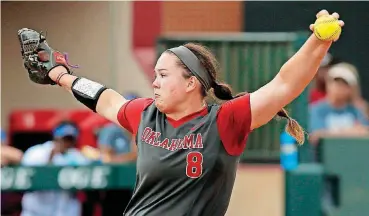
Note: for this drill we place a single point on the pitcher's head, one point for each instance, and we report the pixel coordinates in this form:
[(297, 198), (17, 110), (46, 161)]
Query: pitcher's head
[(186, 73)]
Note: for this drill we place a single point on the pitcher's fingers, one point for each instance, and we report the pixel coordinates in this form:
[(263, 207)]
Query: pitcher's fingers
[(322, 13), (336, 15), (341, 23), (311, 27)]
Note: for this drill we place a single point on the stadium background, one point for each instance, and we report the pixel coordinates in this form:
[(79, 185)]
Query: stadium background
[(114, 42)]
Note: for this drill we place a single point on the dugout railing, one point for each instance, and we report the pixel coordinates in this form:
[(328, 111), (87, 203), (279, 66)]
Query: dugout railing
[(74, 178)]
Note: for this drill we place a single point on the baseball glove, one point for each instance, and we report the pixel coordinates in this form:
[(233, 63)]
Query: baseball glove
[(38, 57)]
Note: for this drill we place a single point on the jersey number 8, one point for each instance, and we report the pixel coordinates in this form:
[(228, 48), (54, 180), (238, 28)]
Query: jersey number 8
[(194, 164)]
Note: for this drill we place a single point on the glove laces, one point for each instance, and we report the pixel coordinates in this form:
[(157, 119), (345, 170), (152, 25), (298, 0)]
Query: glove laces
[(67, 61)]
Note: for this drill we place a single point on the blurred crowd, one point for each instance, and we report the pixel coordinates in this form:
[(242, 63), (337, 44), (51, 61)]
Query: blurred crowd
[(114, 145)]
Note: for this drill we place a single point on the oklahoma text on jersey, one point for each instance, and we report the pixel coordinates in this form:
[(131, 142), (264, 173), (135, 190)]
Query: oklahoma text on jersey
[(189, 141)]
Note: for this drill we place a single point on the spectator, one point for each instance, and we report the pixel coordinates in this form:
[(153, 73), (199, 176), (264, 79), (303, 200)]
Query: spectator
[(357, 99), (318, 92), (59, 151), (9, 154), (336, 115), (117, 146)]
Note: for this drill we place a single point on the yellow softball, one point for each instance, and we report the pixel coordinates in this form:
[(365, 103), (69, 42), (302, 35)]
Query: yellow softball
[(327, 28)]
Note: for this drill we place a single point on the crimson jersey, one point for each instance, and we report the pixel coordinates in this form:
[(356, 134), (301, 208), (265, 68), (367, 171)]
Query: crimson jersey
[(188, 166)]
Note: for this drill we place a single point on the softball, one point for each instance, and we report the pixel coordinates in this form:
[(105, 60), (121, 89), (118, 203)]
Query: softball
[(327, 28)]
